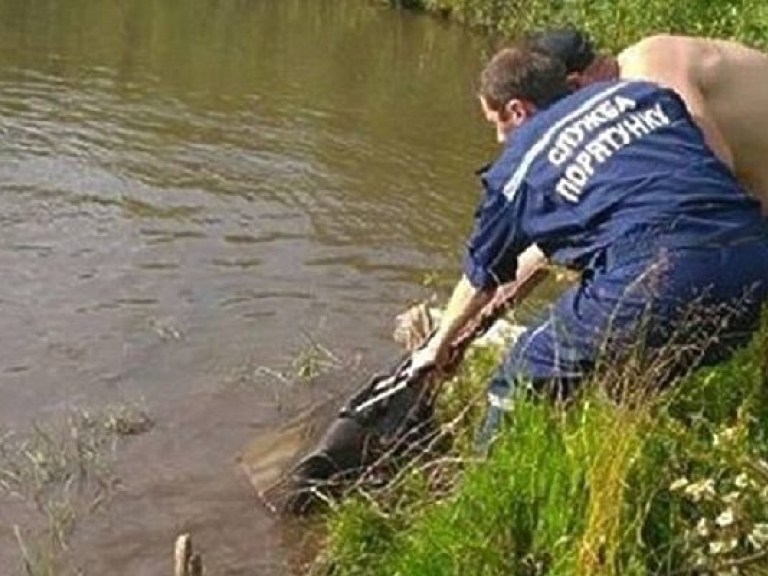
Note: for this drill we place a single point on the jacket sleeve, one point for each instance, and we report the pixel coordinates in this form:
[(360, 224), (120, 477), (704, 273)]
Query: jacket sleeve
[(498, 237)]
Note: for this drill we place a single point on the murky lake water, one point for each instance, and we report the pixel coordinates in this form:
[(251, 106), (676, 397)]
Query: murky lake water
[(186, 189)]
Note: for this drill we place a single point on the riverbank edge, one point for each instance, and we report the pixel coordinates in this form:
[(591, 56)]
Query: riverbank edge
[(674, 483), (614, 24)]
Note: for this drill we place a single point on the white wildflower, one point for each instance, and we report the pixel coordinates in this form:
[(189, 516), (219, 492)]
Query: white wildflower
[(723, 546), (700, 559), (754, 542), (725, 519), (758, 538), (742, 480), (726, 436), (702, 490), (732, 497), (678, 484), (716, 547), (702, 528)]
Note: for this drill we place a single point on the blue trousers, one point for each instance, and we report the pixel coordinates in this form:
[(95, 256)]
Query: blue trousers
[(668, 296)]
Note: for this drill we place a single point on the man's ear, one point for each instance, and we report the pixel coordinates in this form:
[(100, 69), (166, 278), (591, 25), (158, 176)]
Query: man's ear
[(517, 111), (604, 67), (574, 80)]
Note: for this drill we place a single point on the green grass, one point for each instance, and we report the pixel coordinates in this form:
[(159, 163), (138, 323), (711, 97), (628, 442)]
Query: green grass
[(673, 485), (614, 23)]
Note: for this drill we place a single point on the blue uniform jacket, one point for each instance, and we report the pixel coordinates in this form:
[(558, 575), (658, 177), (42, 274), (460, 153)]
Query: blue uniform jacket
[(613, 161)]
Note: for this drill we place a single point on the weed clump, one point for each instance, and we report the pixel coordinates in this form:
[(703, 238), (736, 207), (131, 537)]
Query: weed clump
[(63, 470)]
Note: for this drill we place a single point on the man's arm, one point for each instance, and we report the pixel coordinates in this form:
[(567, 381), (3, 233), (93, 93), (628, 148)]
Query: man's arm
[(491, 258), (466, 302)]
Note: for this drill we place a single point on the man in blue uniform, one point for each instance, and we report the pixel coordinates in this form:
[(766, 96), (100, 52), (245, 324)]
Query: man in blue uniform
[(614, 180), (724, 85)]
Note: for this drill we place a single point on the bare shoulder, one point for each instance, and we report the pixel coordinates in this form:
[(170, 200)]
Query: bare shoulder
[(735, 53), (666, 47), (648, 46), (643, 59), (654, 43), (670, 58), (691, 67)]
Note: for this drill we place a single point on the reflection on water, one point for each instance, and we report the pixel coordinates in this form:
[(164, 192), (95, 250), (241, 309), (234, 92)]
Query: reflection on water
[(184, 190)]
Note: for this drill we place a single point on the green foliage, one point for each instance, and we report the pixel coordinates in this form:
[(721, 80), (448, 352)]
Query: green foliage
[(616, 23), (360, 537), (677, 485)]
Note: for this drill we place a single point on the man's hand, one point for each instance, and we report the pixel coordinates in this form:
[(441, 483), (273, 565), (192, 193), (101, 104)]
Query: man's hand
[(466, 301), (431, 355)]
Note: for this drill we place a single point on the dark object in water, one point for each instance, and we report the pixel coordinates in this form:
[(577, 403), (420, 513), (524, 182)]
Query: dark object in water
[(391, 415), (390, 418)]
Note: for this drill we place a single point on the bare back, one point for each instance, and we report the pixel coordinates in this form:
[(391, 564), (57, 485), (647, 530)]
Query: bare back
[(725, 86)]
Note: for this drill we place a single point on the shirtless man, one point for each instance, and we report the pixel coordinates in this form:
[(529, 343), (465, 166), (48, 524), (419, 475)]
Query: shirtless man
[(724, 85)]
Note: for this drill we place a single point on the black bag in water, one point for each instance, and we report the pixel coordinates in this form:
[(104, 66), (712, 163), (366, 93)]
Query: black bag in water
[(391, 416)]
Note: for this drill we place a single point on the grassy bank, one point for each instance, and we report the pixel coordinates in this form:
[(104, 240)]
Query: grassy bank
[(614, 23), (676, 485)]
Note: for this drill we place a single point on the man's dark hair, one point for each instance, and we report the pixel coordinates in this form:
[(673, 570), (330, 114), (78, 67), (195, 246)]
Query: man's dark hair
[(568, 44), (523, 73)]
